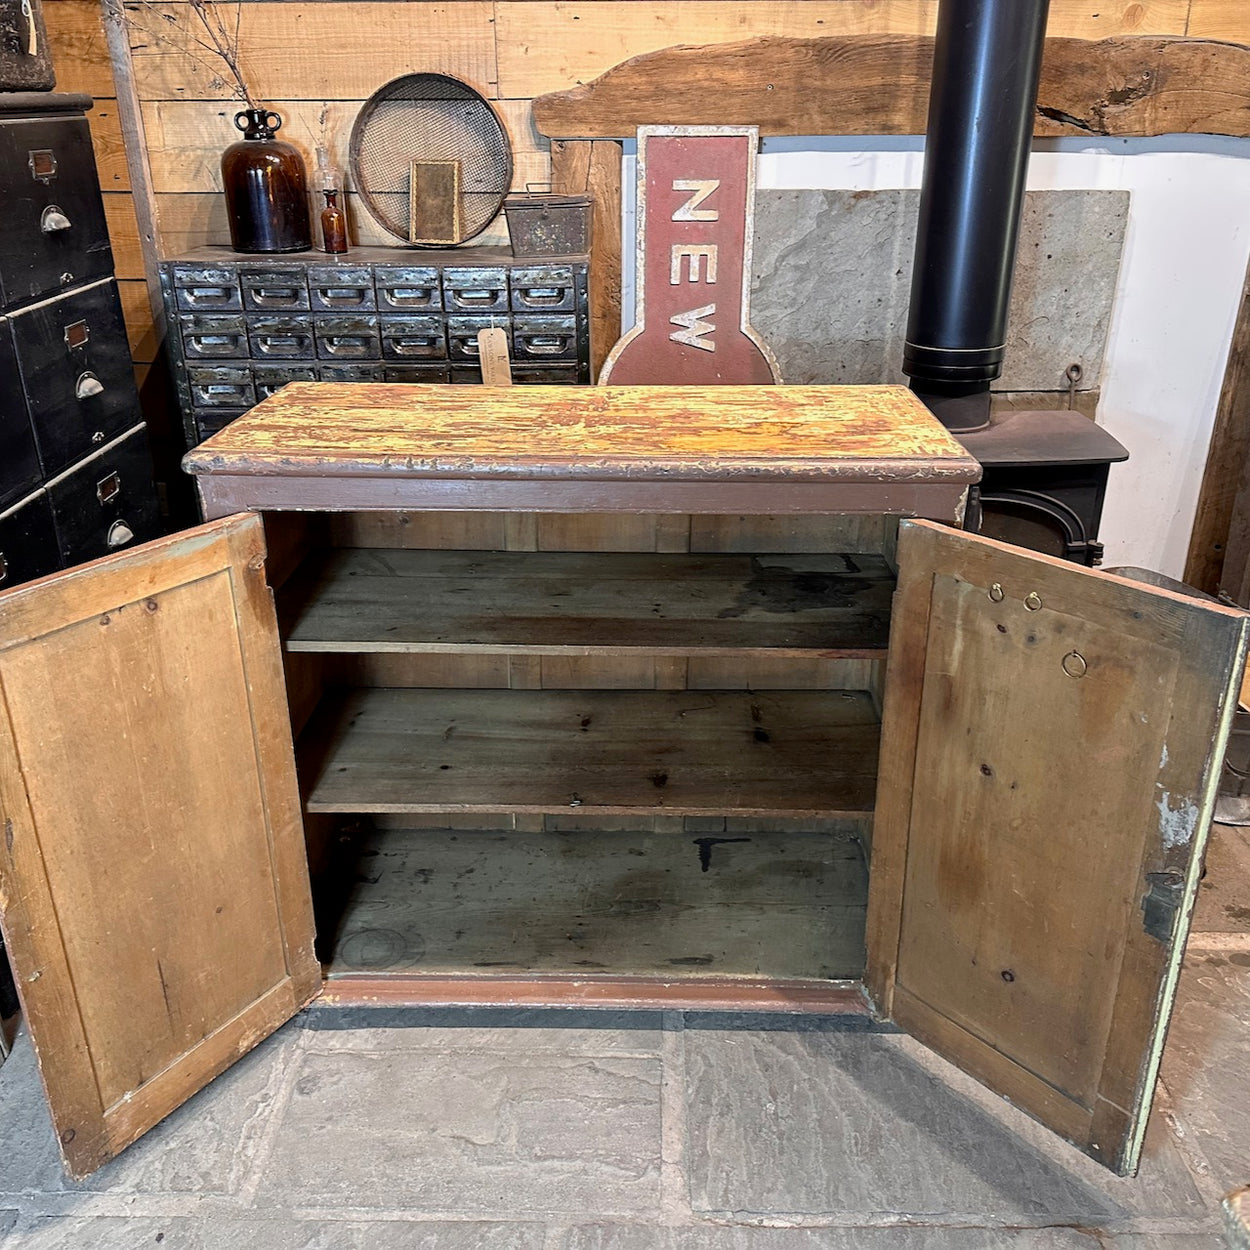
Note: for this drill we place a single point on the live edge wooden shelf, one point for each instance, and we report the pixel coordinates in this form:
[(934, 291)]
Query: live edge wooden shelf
[(735, 563)]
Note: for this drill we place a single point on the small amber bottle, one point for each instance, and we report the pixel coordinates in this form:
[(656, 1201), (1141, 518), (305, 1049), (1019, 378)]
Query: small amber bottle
[(333, 222)]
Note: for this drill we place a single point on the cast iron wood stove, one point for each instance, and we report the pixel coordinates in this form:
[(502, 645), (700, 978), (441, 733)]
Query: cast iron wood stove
[(1045, 473)]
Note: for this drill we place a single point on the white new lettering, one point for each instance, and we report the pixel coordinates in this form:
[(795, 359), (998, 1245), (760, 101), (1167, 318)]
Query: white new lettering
[(694, 328), (702, 188), (695, 253)]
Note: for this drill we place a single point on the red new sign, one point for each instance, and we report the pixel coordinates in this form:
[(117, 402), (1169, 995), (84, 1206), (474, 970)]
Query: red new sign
[(696, 211)]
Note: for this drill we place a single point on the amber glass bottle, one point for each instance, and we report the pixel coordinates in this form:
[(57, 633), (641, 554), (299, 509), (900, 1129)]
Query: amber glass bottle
[(266, 188), (333, 222)]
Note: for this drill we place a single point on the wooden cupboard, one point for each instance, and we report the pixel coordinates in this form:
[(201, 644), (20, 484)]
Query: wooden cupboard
[(606, 673)]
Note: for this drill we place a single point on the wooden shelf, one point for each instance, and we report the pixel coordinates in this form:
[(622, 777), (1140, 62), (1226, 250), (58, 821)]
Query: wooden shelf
[(439, 902), (548, 603), (617, 752)]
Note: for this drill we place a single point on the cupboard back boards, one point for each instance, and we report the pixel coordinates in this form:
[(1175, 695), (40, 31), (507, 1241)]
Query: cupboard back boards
[(1050, 741)]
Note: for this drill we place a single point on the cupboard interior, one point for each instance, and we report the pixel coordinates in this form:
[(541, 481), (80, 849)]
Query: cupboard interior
[(592, 745)]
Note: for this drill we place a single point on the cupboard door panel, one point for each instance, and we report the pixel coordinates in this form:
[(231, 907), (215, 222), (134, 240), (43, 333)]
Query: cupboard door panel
[(1053, 743), (153, 888)]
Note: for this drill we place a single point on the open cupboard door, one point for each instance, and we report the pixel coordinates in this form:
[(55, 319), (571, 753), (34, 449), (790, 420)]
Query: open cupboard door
[(1051, 744), (153, 884)]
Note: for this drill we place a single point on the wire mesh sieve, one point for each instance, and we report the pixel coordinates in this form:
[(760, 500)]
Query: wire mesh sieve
[(429, 118)]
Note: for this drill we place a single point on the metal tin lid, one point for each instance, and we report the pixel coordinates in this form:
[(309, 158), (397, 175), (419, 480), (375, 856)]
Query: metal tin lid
[(545, 199)]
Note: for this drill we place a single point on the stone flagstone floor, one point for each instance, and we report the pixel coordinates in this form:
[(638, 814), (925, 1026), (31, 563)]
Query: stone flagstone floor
[(626, 1131)]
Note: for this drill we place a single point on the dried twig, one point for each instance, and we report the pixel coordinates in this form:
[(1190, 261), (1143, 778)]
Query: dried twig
[(209, 31)]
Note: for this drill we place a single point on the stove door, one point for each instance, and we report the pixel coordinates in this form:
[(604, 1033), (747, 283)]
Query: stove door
[(1052, 741)]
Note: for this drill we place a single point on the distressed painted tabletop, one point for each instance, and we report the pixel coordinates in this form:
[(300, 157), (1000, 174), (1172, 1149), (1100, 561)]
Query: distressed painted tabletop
[(647, 447)]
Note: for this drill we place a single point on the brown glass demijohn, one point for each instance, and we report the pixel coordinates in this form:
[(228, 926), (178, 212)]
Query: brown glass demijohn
[(266, 188)]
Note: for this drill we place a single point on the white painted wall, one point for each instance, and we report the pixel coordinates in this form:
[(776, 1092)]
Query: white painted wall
[(1185, 258)]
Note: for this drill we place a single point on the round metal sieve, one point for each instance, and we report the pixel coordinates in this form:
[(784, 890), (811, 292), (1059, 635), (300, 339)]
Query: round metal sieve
[(430, 119)]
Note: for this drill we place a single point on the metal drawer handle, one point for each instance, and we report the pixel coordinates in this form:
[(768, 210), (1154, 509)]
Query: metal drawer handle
[(542, 295), (215, 344), (544, 344), (88, 385), (343, 295), (413, 344), (269, 341), (475, 297), (405, 296), (4, 568), (208, 294), (119, 535), (53, 219), (274, 293)]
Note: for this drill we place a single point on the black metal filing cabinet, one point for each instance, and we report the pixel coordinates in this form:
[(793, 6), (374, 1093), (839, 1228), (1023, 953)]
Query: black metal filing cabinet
[(75, 471), (247, 325)]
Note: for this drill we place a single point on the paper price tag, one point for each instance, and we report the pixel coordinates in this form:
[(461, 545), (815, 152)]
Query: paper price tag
[(492, 346)]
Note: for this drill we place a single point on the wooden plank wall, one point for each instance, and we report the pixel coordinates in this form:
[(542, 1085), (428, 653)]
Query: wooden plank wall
[(81, 57), (316, 60)]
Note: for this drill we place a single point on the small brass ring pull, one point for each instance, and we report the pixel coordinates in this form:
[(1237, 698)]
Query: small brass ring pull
[(1032, 601), (996, 593), (1074, 664)]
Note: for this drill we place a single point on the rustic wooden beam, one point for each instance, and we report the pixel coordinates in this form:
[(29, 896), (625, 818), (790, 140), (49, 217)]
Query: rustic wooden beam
[(1219, 545), (578, 168), (879, 85)]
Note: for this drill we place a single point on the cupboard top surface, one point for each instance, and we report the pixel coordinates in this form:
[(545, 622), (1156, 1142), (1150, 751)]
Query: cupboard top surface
[(658, 433)]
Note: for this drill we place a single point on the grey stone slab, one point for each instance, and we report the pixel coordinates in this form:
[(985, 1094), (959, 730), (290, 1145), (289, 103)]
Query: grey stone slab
[(7, 1220), (1206, 1240), (832, 281), (1165, 1241), (870, 1125), (122, 1233), (1206, 1066), (471, 1133), (722, 1237), (1224, 894), (205, 1147)]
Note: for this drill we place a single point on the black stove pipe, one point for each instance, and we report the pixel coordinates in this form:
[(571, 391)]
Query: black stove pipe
[(986, 63)]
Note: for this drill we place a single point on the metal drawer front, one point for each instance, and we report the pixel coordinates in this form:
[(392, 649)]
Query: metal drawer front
[(274, 290), (54, 232), (475, 290), (462, 335), (207, 288), (210, 420), (107, 502), (227, 386), (347, 289), (267, 379), (281, 338), (413, 338), (545, 375), (213, 337), (76, 370), (409, 289), (416, 373), (19, 463), (543, 288), (349, 373), (348, 338), (544, 338), (28, 546), (466, 375)]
